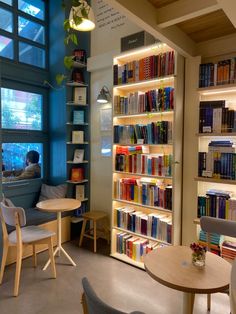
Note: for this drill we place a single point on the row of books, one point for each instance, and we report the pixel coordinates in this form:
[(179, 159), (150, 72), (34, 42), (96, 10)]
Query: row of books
[(214, 117), (219, 162), (145, 191), (155, 100), (216, 241), (220, 73), (153, 133), (217, 204), (157, 226), (152, 164), (144, 69), (134, 247), (228, 250)]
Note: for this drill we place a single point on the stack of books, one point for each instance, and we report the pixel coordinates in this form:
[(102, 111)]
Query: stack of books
[(215, 241), (228, 250)]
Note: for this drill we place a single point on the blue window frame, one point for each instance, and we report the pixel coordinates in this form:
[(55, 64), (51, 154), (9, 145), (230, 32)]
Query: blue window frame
[(23, 31)]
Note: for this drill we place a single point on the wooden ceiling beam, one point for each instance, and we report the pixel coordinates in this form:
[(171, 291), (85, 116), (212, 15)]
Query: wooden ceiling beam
[(229, 7), (143, 13), (184, 10)]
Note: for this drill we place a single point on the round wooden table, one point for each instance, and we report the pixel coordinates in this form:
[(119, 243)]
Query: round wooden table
[(172, 267), (59, 205)]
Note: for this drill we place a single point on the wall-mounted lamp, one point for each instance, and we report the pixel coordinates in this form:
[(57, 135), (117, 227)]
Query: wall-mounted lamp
[(82, 17), (104, 95)]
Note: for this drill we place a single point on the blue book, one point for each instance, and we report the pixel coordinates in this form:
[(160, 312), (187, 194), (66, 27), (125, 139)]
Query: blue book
[(78, 117)]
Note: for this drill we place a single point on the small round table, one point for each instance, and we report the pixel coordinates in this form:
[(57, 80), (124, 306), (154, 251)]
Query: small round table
[(59, 205), (172, 267)]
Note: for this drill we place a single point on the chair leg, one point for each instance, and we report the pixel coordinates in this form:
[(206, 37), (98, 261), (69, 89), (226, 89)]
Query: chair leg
[(34, 256), (95, 236), (51, 255), (208, 302), (82, 232), (4, 259), (84, 304), (18, 269)]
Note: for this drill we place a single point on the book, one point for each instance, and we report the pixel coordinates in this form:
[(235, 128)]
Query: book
[(77, 137), (77, 174), (78, 117), (79, 192), (78, 155), (77, 76), (80, 55), (80, 95)]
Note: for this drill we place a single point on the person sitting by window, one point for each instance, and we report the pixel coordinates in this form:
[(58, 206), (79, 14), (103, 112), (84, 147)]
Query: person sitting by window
[(31, 171)]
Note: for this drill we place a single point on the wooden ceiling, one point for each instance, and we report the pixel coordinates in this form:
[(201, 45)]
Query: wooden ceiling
[(186, 25)]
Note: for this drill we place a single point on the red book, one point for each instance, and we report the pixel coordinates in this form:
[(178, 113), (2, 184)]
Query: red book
[(77, 174)]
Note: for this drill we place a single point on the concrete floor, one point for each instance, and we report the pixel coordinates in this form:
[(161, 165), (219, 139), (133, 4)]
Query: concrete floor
[(121, 285)]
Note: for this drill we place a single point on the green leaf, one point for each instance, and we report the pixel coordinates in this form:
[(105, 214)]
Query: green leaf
[(60, 78), (76, 3), (66, 25), (84, 12), (68, 62), (77, 20), (74, 39)]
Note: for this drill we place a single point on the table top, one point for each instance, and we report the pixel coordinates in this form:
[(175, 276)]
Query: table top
[(58, 205), (172, 266)]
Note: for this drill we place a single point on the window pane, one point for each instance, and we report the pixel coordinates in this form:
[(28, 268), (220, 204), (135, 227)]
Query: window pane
[(35, 8), (6, 20), (9, 2), (21, 110), (14, 154), (31, 55), (6, 47), (31, 30)]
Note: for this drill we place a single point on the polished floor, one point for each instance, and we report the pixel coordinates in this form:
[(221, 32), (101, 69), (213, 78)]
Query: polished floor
[(121, 285)]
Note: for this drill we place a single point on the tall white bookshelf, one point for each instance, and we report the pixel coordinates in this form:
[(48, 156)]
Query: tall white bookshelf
[(156, 180)]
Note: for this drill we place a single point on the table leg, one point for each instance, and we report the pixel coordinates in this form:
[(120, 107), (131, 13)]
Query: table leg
[(59, 247), (188, 302)]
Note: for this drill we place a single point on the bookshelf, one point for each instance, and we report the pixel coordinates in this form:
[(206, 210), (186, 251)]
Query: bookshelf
[(147, 151), (216, 180), (78, 135)]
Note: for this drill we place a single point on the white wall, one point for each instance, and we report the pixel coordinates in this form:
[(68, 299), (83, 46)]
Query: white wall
[(105, 43)]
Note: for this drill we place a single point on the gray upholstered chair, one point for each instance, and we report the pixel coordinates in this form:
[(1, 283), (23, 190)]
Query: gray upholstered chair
[(220, 226), (30, 235), (93, 305)]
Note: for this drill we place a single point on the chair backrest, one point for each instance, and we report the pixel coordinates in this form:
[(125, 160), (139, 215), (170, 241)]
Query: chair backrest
[(96, 305), (232, 291), (219, 226), (8, 214)]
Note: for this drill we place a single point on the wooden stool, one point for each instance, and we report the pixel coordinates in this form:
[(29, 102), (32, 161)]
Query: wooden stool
[(92, 232)]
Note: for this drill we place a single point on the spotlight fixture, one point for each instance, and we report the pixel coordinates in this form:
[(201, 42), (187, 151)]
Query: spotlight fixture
[(82, 17), (104, 95)]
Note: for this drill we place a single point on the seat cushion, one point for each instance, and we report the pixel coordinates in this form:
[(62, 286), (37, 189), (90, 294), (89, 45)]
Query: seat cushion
[(31, 234)]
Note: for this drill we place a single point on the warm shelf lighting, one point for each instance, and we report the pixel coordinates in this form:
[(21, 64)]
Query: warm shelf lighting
[(147, 82), (88, 23), (214, 92)]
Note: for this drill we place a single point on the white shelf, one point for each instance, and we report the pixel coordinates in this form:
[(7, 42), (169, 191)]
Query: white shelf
[(214, 180), (219, 89), (79, 65), (76, 163), (142, 175), (71, 103), (75, 220), (141, 235), (144, 114), (71, 123), (228, 134), (144, 206), (126, 259), (158, 145), (77, 182), (76, 84), (71, 143), (147, 83)]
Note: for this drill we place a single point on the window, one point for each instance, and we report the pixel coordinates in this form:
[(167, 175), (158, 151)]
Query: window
[(23, 31)]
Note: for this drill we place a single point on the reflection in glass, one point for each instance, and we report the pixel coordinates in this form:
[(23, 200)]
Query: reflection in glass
[(31, 55), (6, 20), (6, 47), (31, 30), (21, 110), (9, 2), (14, 154), (35, 8)]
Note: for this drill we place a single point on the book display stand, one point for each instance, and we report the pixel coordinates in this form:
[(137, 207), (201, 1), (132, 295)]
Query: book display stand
[(147, 151)]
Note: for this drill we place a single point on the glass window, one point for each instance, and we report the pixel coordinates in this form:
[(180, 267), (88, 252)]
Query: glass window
[(6, 20), (6, 47), (31, 30), (9, 2), (31, 55), (14, 154), (21, 110), (35, 8)]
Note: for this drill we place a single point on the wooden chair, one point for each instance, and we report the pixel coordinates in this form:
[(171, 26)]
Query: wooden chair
[(92, 233), (92, 304), (30, 235), (232, 288), (220, 226)]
